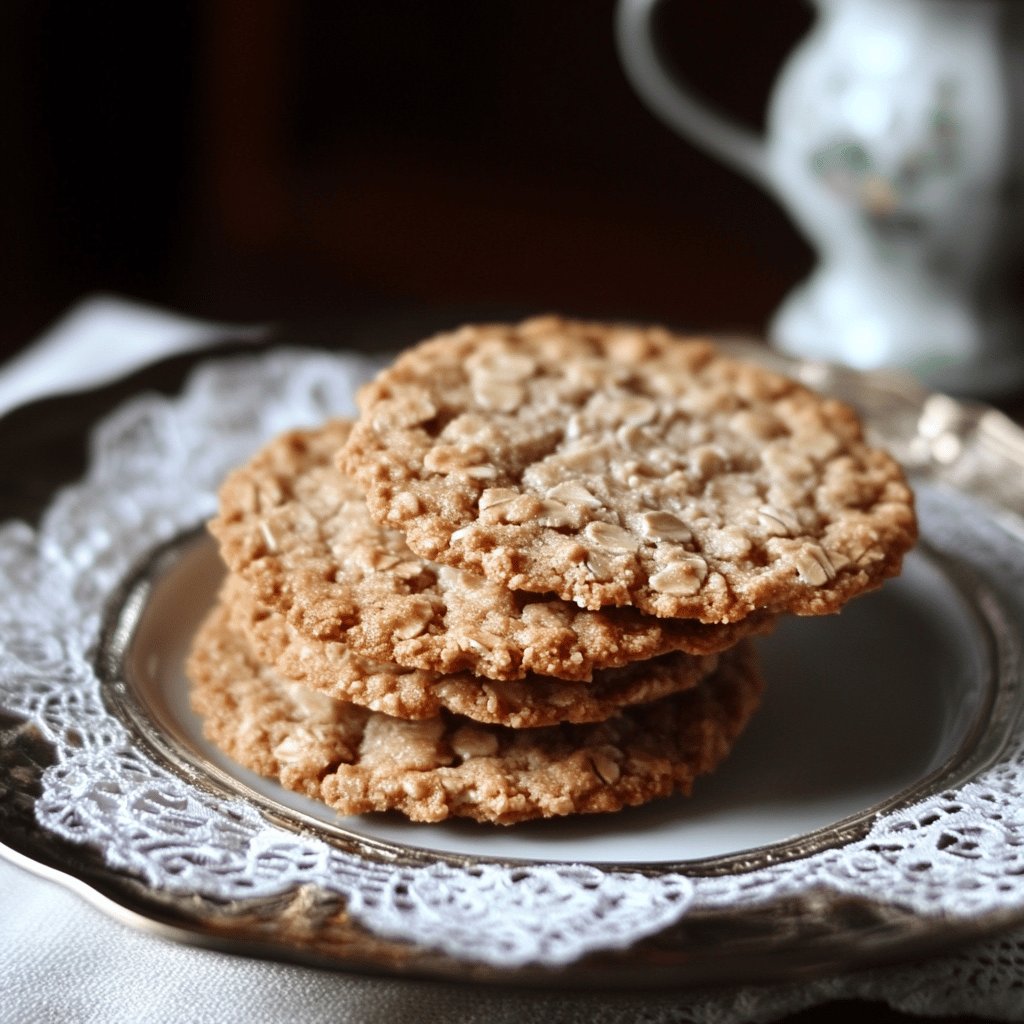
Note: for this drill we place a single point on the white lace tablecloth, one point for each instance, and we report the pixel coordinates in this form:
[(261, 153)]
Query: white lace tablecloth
[(62, 960)]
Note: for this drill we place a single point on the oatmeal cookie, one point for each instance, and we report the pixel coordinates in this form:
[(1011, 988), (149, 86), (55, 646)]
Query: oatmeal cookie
[(613, 465), (357, 760), (299, 532), (332, 668)]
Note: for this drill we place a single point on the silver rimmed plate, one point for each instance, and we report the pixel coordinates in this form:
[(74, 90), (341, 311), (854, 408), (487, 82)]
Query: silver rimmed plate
[(912, 691), (895, 697)]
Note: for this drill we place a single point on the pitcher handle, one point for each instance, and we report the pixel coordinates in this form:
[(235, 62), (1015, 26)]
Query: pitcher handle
[(674, 103)]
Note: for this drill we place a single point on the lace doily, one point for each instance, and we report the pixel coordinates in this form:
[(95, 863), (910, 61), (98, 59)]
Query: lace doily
[(154, 469)]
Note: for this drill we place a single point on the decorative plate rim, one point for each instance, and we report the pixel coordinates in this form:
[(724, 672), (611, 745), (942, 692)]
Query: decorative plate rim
[(929, 433)]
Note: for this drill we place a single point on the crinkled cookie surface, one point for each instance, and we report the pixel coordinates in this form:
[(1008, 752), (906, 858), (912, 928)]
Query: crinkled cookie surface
[(298, 531), (357, 760), (625, 466), (332, 668)]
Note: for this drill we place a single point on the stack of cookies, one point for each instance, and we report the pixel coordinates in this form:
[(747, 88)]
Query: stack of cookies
[(522, 584)]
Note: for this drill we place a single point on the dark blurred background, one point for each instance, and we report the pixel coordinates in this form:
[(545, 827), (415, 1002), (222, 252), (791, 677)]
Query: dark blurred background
[(304, 160)]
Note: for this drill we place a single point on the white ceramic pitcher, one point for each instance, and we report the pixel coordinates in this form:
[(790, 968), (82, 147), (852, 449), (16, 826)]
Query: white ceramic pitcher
[(894, 141)]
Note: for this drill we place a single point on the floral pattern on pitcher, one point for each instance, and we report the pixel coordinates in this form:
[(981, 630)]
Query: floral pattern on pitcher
[(894, 142), (888, 198)]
